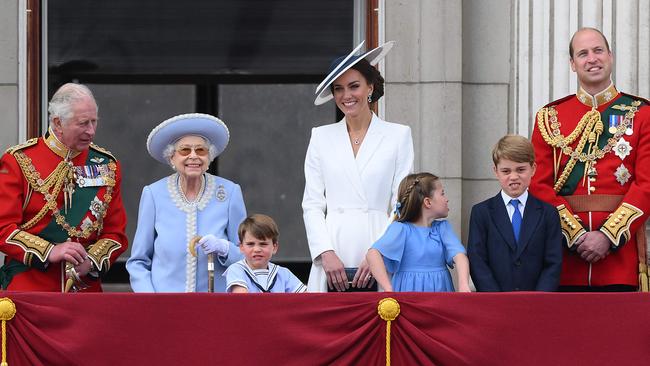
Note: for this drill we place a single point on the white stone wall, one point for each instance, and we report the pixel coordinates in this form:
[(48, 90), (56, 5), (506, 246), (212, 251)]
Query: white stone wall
[(8, 73)]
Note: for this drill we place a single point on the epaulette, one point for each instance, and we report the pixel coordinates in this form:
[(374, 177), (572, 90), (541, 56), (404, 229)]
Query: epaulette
[(26, 144), (635, 97), (560, 101), (102, 150)]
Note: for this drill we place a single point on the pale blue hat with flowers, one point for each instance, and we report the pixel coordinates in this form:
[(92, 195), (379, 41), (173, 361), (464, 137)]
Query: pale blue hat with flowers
[(344, 63), (172, 129)]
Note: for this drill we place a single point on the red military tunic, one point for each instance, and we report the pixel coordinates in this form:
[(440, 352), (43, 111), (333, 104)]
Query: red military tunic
[(612, 194), (33, 179)]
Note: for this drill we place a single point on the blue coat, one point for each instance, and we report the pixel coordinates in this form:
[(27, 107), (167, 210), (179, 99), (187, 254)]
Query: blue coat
[(498, 263), (160, 260)]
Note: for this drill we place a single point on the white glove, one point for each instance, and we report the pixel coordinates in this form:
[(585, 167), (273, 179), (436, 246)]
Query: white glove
[(210, 244)]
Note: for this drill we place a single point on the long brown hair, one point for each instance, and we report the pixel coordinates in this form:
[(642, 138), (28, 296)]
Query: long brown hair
[(413, 189)]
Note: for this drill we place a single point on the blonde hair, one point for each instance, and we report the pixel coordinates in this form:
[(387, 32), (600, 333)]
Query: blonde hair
[(413, 189), (515, 148), (260, 226)]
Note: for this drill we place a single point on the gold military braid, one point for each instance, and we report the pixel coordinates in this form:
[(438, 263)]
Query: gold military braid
[(50, 189), (589, 129)]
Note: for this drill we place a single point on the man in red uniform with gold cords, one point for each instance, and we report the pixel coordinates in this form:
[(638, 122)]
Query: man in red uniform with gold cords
[(61, 215), (593, 164)]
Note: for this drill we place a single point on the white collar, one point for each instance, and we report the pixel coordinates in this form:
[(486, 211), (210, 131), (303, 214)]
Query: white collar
[(522, 199)]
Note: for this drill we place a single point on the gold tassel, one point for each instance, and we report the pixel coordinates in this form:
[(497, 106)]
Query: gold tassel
[(388, 310), (7, 312), (644, 286)]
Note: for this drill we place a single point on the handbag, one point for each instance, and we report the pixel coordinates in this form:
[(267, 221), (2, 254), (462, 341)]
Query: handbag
[(349, 273)]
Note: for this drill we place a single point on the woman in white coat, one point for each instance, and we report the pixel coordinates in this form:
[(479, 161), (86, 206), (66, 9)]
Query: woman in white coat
[(352, 172)]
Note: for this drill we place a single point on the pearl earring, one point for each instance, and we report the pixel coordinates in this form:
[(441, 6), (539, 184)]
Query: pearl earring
[(370, 98)]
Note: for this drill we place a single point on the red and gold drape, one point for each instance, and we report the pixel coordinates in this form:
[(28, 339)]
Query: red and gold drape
[(328, 329)]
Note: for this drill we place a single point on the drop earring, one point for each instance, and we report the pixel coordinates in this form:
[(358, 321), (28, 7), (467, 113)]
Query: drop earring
[(370, 98)]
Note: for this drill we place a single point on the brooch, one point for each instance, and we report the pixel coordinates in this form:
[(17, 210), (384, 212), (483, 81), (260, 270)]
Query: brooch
[(622, 148), (221, 193), (622, 174)]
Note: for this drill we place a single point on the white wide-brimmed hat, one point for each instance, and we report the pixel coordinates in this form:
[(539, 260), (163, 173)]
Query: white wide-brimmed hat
[(344, 63), (172, 129)]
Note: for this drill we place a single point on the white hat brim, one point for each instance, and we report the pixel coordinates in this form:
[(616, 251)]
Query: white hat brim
[(172, 129), (373, 57)]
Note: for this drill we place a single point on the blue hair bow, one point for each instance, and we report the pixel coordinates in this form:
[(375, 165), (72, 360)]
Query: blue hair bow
[(398, 206)]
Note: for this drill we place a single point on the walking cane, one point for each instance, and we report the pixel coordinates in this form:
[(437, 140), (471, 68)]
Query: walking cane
[(192, 249)]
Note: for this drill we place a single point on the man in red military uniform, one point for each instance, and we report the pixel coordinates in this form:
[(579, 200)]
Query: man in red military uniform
[(593, 164), (61, 215)]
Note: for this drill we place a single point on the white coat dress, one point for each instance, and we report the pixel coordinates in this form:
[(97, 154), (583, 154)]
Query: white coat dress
[(348, 201)]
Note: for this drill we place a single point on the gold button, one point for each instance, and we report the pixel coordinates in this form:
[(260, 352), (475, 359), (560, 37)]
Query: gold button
[(591, 189), (611, 224)]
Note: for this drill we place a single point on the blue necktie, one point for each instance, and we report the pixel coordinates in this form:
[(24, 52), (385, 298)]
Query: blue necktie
[(516, 219)]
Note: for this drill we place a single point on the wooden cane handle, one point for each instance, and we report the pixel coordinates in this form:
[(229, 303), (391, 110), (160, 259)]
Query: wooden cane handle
[(193, 242)]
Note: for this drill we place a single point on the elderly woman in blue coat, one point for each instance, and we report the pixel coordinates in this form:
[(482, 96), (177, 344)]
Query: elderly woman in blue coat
[(186, 204)]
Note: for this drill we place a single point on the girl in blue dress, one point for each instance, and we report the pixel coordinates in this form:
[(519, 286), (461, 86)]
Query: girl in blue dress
[(417, 248)]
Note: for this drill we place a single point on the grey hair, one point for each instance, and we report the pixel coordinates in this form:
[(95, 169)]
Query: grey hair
[(61, 103), (170, 149)]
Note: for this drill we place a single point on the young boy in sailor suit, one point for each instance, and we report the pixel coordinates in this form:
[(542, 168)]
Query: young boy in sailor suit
[(258, 241)]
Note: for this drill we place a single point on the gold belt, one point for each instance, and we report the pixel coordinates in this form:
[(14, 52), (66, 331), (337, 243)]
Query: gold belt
[(594, 202)]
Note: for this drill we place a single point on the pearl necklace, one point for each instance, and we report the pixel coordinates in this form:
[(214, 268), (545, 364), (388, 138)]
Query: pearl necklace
[(182, 194)]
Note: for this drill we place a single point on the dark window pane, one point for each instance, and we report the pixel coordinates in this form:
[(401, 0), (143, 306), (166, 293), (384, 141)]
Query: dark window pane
[(270, 126), (197, 37)]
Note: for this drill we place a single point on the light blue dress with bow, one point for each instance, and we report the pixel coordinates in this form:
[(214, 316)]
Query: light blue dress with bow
[(418, 256), (160, 259)]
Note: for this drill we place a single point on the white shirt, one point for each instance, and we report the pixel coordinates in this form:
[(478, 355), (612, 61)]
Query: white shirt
[(522, 203)]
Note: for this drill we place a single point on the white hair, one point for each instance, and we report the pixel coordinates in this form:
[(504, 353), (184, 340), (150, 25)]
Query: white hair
[(61, 103), (170, 149)]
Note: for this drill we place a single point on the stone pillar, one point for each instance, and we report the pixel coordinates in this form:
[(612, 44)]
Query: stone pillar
[(423, 86), (486, 91), (9, 55)]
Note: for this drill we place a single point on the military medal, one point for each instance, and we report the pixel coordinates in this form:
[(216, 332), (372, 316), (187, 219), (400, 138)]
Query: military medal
[(614, 122), (622, 148), (622, 174), (221, 193), (91, 175), (630, 128)]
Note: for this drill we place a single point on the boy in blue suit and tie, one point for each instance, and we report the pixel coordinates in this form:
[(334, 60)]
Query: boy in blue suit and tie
[(514, 238)]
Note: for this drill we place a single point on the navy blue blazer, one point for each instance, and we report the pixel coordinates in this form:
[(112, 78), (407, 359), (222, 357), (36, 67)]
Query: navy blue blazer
[(498, 263)]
